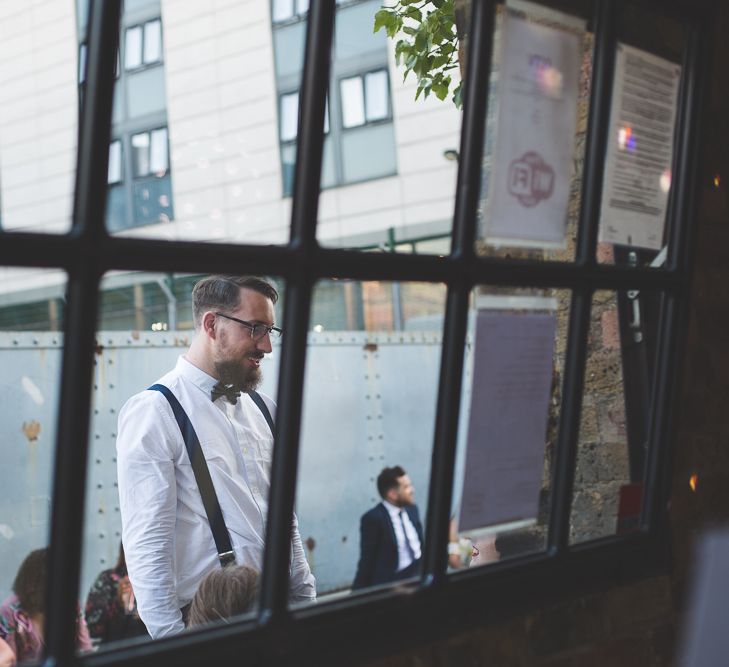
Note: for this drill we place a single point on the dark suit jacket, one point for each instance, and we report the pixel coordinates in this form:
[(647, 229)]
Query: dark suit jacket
[(378, 546)]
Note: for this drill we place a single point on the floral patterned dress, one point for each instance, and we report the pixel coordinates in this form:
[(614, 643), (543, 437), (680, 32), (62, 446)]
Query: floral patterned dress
[(106, 616), (24, 638)]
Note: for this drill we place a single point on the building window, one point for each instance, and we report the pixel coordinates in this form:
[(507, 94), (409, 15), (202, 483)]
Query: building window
[(286, 10), (143, 45), (144, 196), (115, 163), (140, 187), (149, 153), (365, 99), (360, 140)]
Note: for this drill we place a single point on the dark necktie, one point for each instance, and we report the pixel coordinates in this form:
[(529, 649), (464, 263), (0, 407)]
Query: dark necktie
[(231, 393), (408, 546)]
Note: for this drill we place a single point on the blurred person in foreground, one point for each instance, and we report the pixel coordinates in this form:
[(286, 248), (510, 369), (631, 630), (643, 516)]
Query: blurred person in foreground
[(167, 535), (111, 608), (391, 534), (22, 614), (224, 593)]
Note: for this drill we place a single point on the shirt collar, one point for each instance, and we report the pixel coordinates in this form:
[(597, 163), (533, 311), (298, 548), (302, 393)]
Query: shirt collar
[(198, 377), (394, 510)]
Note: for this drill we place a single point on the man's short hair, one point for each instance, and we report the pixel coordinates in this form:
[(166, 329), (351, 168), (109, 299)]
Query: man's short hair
[(223, 293), (389, 479)]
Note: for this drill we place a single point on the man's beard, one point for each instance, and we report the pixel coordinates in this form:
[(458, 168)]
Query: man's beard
[(242, 378)]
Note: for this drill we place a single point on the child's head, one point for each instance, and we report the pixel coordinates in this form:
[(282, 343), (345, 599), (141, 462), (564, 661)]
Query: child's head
[(223, 593), (30, 581)]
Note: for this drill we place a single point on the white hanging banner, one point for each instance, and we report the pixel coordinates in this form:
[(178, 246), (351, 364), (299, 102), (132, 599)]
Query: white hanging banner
[(538, 87), (640, 149)]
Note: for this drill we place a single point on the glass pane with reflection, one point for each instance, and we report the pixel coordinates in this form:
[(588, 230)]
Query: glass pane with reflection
[(32, 304), (141, 488), (634, 225), (611, 453), (536, 124), (508, 427), (368, 417), (39, 110), (394, 176)]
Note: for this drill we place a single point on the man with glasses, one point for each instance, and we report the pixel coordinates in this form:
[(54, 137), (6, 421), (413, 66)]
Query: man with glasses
[(165, 508)]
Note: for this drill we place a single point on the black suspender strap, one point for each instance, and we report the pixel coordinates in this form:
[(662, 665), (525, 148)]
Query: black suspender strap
[(226, 555), (258, 400)]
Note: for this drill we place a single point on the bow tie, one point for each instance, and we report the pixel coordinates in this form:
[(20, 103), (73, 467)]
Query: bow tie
[(230, 393)]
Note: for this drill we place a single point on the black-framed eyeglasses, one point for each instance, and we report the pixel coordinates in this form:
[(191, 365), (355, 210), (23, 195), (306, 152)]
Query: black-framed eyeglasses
[(258, 331)]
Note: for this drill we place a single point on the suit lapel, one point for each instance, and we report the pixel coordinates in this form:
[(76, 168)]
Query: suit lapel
[(390, 529)]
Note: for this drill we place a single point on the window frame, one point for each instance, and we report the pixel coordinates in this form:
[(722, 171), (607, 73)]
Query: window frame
[(363, 76), (436, 603), (142, 26)]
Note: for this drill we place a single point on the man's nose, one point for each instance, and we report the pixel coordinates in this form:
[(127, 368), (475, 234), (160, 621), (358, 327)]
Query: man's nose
[(264, 344)]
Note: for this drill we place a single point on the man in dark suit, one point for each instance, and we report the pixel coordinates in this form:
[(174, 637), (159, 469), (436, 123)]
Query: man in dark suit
[(391, 535)]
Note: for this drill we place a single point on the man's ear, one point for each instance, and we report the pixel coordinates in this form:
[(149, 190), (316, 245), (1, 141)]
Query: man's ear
[(208, 323)]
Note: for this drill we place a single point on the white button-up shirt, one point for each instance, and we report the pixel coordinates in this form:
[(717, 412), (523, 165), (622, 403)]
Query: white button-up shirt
[(403, 555), (167, 539)]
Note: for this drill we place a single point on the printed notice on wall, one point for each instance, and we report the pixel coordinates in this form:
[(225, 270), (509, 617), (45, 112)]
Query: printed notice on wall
[(640, 149), (512, 380), (538, 87)]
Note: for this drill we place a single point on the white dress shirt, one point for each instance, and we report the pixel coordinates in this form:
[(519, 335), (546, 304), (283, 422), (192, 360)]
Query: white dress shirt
[(404, 559), (167, 539)]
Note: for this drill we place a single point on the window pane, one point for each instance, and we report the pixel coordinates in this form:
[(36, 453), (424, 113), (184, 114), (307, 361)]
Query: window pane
[(302, 6), (152, 41), (354, 39), (530, 199), (140, 154), (352, 95), (288, 51), (115, 162), (510, 410), (146, 92), (82, 50), (40, 100), (634, 225), (31, 350), (282, 10), (377, 94), (145, 324), (611, 453), (368, 152), (152, 200), (379, 343), (289, 116), (133, 48), (158, 153), (116, 208)]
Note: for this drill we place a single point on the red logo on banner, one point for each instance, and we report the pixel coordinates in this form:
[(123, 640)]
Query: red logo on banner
[(531, 179)]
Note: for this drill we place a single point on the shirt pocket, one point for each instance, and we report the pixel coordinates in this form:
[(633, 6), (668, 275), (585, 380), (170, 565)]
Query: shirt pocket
[(218, 455)]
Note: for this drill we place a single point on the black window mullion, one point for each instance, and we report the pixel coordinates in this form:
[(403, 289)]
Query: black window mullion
[(579, 324), (598, 128), (95, 120), (565, 456), (685, 160), (454, 335), (310, 132), (674, 314), (69, 482), (310, 138)]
